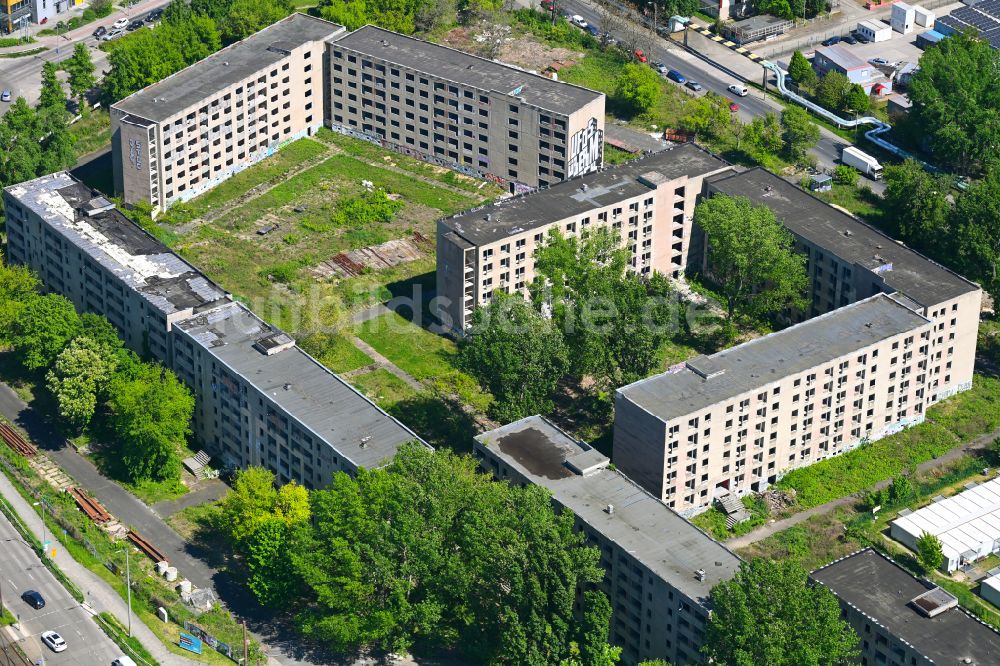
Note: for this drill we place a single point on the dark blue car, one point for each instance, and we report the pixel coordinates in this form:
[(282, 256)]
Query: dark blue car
[(674, 75)]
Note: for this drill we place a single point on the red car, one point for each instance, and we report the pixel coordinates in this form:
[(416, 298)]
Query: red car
[(734, 107), (640, 56)]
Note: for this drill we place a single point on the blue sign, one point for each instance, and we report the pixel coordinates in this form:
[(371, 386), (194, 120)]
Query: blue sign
[(190, 643)]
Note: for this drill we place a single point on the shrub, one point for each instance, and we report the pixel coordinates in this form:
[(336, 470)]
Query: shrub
[(845, 175), (89, 15)]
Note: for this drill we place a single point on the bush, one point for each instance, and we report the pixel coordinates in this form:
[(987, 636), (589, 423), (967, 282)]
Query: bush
[(845, 175), (102, 7), (638, 88), (89, 15)]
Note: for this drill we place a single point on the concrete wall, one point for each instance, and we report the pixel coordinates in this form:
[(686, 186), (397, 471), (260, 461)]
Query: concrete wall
[(640, 447)]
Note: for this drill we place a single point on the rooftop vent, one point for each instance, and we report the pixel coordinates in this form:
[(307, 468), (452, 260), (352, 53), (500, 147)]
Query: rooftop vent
[(583, 187), (287, 386), (610, 509), (489, 217), (364, 441), (273, 343), (934, 602), (225, 63), (384, 42), (848, 233), (700, 575)]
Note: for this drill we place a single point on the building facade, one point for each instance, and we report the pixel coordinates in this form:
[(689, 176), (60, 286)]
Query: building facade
[(905, 621), (260, 400), (736, 421), (13, 15), (477, 116), (187, 133), (659, 567), (649, 202), (838, 58), (848, 260)]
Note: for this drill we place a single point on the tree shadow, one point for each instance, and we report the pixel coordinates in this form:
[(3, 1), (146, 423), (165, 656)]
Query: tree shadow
[(97, 172), (438, 420)]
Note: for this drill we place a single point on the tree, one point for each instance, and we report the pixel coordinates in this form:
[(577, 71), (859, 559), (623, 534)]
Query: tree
[(958, 106), (352, 14), (832, 89), (751, 257), (151, 417), (51, 95), (269, 578), (18, 285), (517, 354), (763, 135), (917, 208), (638, 88), (975, 231), (801, 70), (250, 503), (815, 7), (857, 100), (102, 8), (43, 328), (799, 133), (245, 17), (769, 613), (428, 552), (708, 115), (80, 373), (81, 73), (593, 644), (929, 552), (845, 175), (901, 491)]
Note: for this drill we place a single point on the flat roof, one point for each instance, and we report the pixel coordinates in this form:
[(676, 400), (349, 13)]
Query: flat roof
[(332, 409), (758, 22), (580, 479), (967, 521), (193, 85), (819, 223), (88, 220), (578, 195), (706, 380), (842, 57), (882, 590), (467, 69)]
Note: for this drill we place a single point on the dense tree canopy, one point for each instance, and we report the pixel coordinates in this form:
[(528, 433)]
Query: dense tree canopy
[(801, 70), (974, 231), (33, 142), (770, 614), (751, 257), (44, 326), (917, 207), (80, 373), (638, 88), (798, 132), (80, 68), (956, 101), (517, 354)]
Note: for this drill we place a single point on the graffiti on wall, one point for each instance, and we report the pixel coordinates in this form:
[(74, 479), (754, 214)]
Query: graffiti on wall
[(135, 153), (586, 147)]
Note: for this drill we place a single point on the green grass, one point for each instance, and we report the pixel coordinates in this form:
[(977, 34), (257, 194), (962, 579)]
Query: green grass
[(973, 413), (150, 492), (6, 618), (613, 155), (422, 354), (335, 351), (110, 625), (92, 132), (951, 423), (6, 42), (859, 200), (24, 54), (271, 170), (383, 387)]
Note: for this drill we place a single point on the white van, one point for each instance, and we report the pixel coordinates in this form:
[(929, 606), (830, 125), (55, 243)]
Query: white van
[(123, 661), (737, 89)]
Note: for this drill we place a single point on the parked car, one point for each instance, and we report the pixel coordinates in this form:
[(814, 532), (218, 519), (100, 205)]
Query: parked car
[(134, 25), (578, 21), (693, 85), (860, 38), (120, 24), (53, 640), (124, 660), (154, 15), (734, 107), (32, 598), (640, 56), (5, 95), (674, 75), (659, 67), (114, 34), (879, 61), (737, 89), (608, 39), (594, 30), (831, 41), (848, 39), (101, 30)]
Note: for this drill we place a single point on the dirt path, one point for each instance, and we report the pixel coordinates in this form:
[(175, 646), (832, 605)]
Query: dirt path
[(770, 529), (383, 362)]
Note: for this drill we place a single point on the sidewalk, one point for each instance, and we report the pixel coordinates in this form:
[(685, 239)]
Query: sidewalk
[(84, 31), (770, 529), (99, 595)]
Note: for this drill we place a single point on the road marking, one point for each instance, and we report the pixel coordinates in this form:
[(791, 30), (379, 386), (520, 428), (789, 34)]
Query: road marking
[(11, 583)]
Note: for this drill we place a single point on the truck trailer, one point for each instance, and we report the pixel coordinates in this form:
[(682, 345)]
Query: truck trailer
[(861, 161)]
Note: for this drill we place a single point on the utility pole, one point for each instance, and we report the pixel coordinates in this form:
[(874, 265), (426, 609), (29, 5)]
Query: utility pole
[(41, 516), (653, 3), (128, 587), (246, 654)]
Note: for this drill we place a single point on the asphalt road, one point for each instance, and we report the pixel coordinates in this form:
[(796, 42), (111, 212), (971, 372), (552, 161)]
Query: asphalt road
[(21, 570)]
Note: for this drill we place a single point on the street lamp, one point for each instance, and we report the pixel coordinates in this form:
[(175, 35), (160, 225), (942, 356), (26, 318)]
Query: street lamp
[(128, 587), (654, 16), (41, 515)]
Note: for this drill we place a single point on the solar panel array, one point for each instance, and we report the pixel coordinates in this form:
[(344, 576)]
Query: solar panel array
[(983, 17)]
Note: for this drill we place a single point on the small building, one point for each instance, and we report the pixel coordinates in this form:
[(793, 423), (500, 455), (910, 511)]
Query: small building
[(820, 182), (928, 38), (905, 620), (898, 106), (923, 17), (838, 59), (756, 28), (989, 589), (902, 18), (875, 31), (967, 524), (904, 73)]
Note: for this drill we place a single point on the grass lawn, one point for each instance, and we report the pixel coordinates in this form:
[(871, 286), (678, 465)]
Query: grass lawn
[(92, 132), (859, 200), (110, 625), (383, 387), (713, 521), (334, 351), (426, 356), (953, 422), (150, 492)]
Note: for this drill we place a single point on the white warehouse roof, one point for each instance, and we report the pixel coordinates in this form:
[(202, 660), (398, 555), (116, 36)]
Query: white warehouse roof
[(968, 524)]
